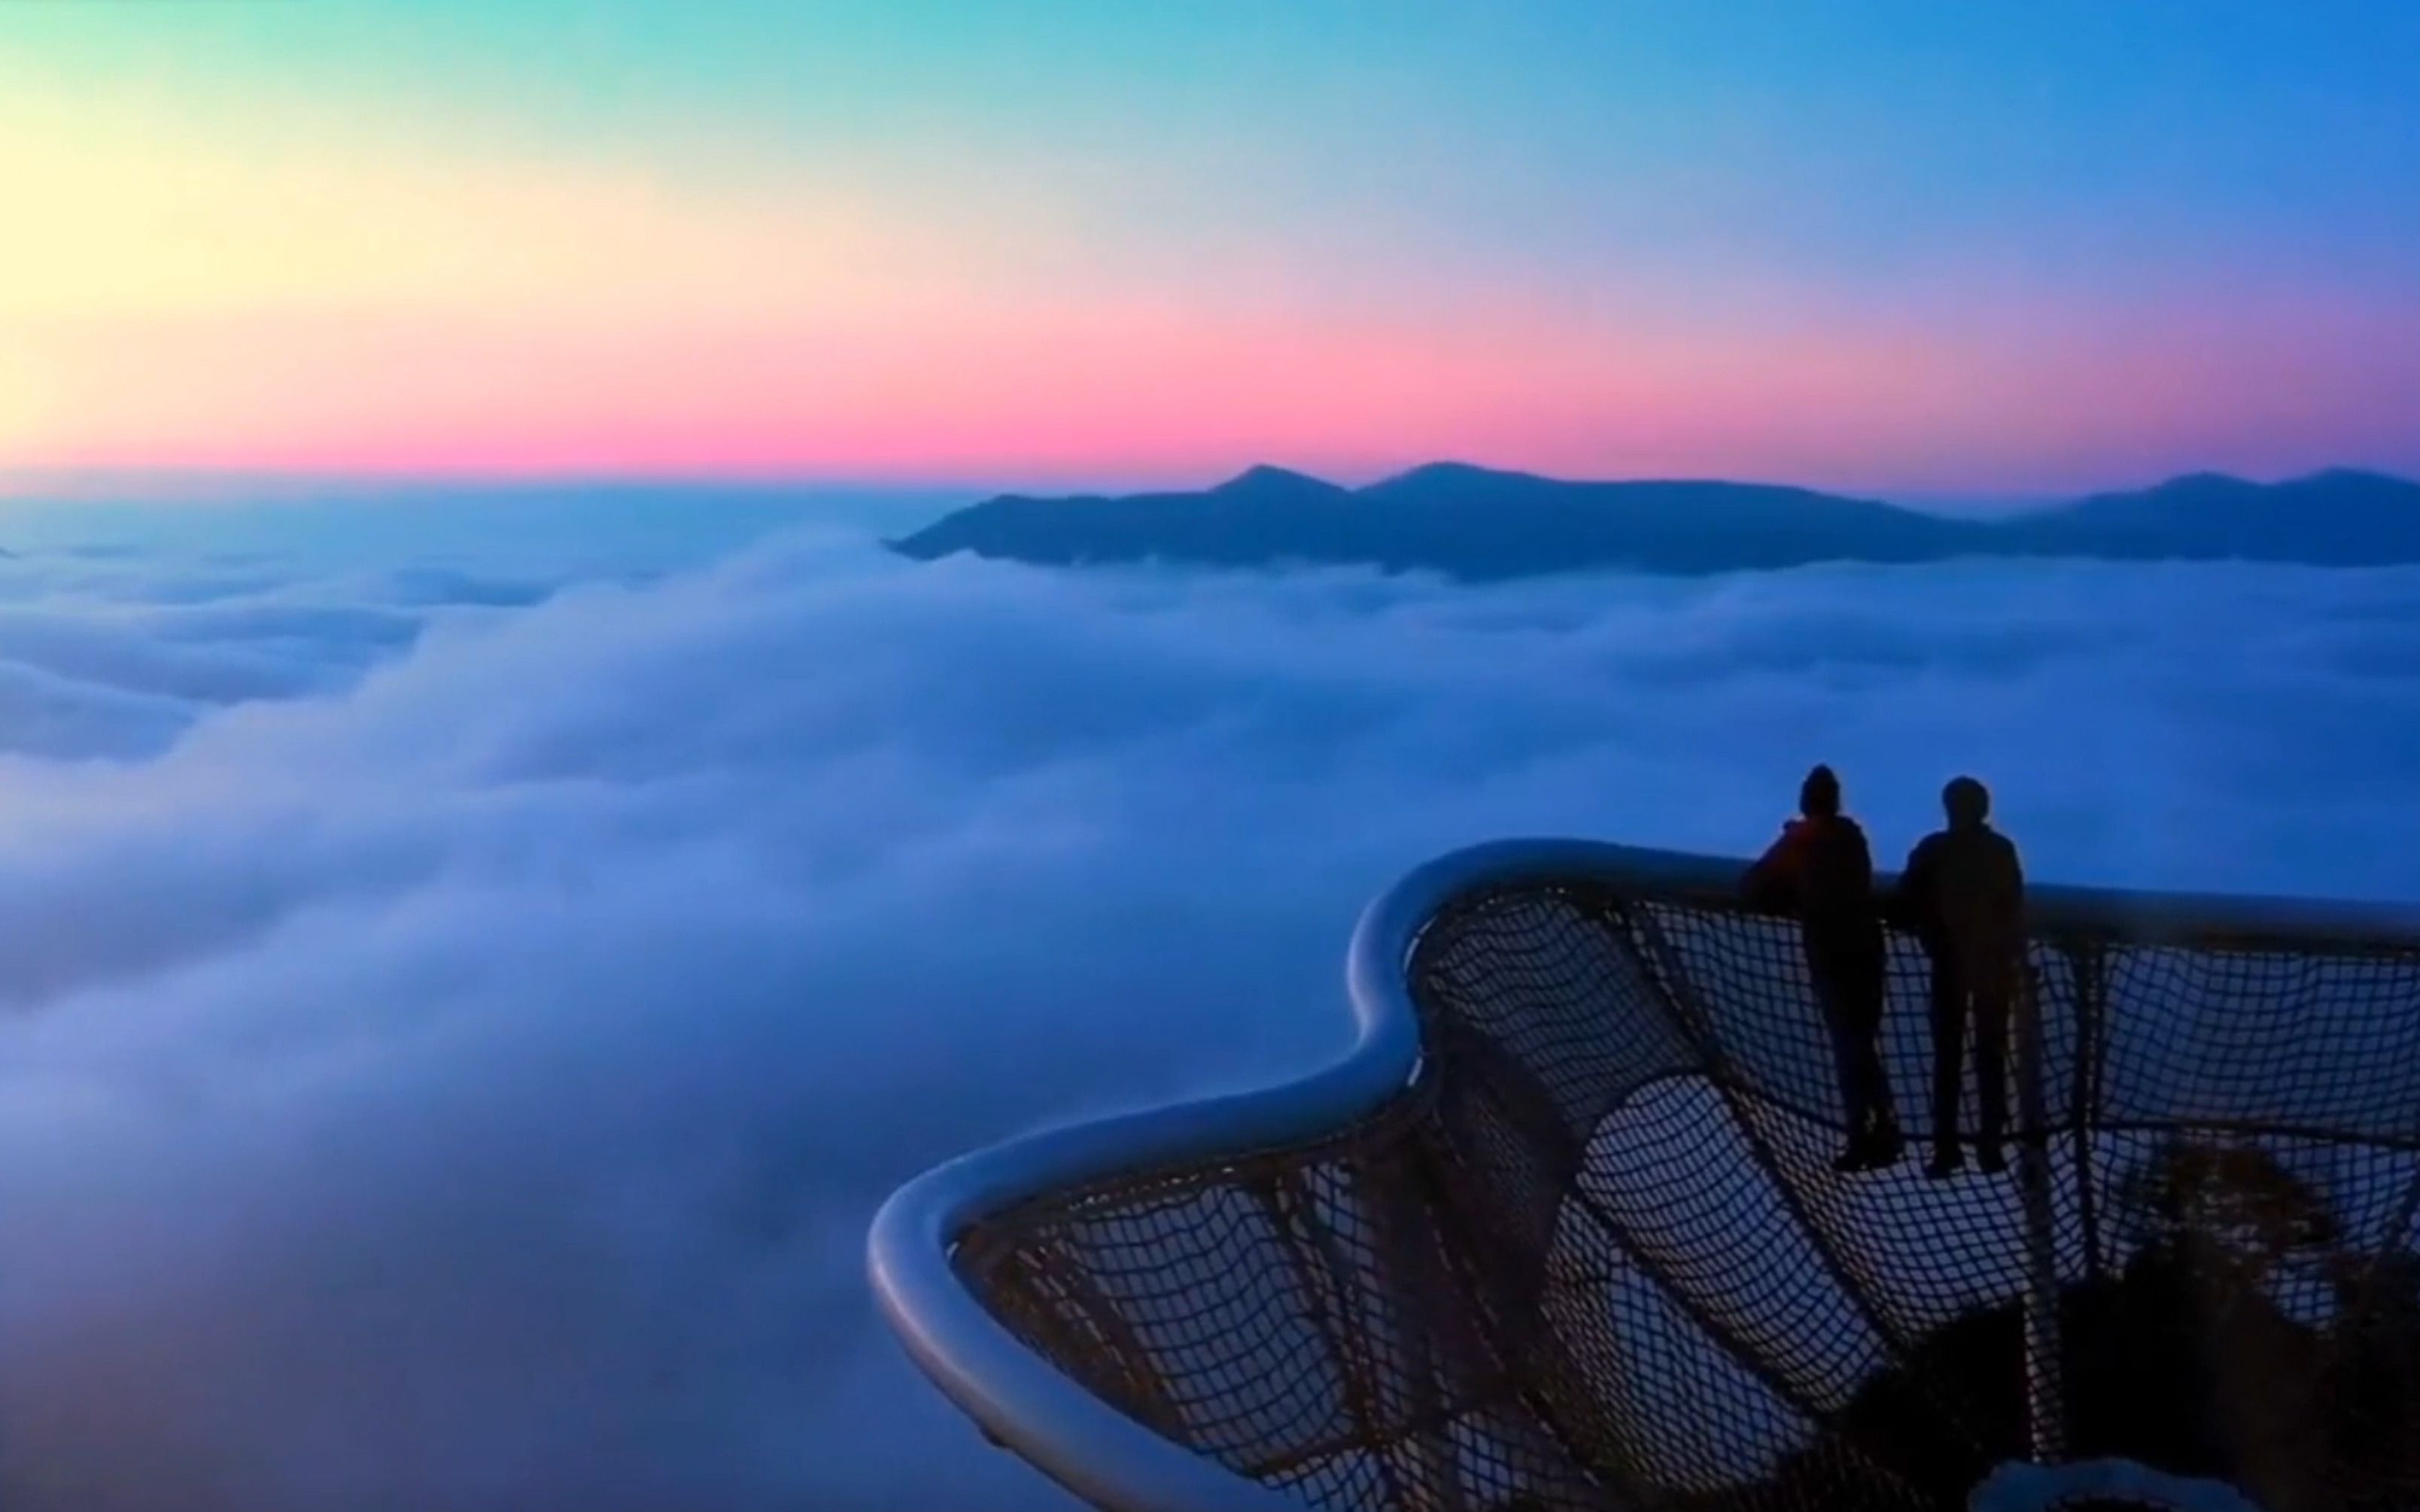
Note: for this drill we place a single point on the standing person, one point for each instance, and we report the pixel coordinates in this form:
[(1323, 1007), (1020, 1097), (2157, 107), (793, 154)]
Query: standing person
[(1821, 871), (1964, 892)]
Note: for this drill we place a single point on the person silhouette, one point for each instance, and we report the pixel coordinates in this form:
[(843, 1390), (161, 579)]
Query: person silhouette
[(1821, 871), (1964, 890)]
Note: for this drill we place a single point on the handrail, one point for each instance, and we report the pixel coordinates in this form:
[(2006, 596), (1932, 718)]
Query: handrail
[(1114, 1461)]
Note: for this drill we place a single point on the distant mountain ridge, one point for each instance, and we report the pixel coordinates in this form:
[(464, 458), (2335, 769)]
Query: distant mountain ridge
[(1482, 524)]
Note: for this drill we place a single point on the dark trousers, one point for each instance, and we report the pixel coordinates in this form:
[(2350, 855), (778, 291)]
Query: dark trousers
[(1851, 994), (1961, 1003)]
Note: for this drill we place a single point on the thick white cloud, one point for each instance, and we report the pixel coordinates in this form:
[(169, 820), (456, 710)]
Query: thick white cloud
[(455, 1042)]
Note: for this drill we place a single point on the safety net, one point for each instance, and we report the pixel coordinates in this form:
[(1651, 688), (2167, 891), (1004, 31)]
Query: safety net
[(1595, 1254)]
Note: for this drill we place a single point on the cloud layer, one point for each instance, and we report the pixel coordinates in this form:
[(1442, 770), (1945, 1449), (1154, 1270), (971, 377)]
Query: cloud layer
[(456, 1034)]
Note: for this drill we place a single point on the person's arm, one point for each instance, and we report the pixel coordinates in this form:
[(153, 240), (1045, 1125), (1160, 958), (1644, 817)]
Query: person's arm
[(1768, 881), (1911, 899)]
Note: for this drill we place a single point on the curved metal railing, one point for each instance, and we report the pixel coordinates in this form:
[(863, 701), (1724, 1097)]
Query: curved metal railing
[(1560, 1231)]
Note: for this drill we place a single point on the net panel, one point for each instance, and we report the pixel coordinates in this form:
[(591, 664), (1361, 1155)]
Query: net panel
[(1596, 1256)]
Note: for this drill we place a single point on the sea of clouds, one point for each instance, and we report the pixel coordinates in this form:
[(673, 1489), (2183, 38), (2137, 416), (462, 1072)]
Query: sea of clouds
[(466, 990)]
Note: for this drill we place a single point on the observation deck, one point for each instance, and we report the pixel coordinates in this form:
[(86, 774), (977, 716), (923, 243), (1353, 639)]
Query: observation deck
[(1561, 1230)]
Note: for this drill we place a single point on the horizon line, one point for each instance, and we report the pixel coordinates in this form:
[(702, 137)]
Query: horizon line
[(147, 484)]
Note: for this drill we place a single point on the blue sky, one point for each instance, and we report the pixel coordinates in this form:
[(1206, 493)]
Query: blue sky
[(1957, 247)]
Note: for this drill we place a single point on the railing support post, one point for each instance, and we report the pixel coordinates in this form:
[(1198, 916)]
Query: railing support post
[(2046, 1392)]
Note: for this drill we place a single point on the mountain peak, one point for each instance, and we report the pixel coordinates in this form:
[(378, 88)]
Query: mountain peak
[(1444, 476), (1262, 478), (2202, 482), (2360, 477), (1447, 471)]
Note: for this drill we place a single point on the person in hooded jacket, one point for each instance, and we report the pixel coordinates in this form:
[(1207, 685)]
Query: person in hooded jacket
[(1821, 872)]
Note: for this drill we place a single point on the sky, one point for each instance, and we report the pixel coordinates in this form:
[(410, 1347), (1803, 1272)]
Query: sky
[(465, 954), (469, 972), (1886, 245)]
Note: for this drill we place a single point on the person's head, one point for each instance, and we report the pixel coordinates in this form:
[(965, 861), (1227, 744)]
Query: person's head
[(1819, 796), (1967, 802)]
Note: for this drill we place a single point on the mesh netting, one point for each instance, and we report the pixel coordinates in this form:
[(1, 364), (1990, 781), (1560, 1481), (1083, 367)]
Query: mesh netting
[(1596, 1254)]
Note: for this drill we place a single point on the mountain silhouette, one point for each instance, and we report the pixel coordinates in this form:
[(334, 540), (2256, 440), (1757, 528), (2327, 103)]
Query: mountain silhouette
[(2336, 519), (1481, 524)]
